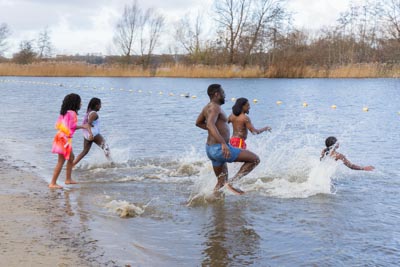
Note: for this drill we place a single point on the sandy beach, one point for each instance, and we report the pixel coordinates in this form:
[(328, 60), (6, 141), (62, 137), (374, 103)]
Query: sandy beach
[(36, 226)]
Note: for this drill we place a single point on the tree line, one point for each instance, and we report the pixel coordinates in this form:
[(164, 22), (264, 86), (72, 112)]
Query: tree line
[(243, 33)]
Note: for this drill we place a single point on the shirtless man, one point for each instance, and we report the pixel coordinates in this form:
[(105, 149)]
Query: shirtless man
[(213, 119), (330, 150), (241, 123)]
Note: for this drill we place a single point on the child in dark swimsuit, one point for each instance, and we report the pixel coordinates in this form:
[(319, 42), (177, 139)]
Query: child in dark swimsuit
[(330, 150)]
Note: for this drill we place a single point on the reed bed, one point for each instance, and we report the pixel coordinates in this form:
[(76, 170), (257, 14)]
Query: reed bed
[(67, 69)]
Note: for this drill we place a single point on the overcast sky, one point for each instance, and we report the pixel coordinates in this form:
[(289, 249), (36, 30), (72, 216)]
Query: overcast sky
[(86, 26)]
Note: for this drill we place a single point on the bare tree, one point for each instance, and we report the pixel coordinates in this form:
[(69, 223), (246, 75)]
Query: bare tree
[(4, 33), (232, 15), (187, 33), (44, 44), (265, 14), (127, 29), (151, 25), (392, 16)]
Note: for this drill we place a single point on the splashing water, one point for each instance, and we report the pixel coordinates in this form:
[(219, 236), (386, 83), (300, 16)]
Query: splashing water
[(289, 168), (124, 209)]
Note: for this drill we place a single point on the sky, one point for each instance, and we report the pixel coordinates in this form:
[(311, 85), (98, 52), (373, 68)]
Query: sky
[(86, 26)]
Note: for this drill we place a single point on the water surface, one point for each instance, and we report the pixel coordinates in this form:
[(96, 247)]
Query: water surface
[(297, 211)]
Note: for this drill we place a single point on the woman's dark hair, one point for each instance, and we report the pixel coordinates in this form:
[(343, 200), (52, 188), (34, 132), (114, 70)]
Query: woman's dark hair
[(213, 88), (70, 102), (93, 103), (238, 107), (330, 141)]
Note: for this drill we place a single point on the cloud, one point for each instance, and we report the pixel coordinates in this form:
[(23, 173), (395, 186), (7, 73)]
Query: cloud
[(87, 26), (314, 14)]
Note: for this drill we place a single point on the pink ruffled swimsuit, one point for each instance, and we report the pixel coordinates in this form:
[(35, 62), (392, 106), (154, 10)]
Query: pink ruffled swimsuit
[(66, 126)]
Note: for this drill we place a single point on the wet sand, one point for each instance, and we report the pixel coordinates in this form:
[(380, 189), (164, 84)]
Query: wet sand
[(37, 226)]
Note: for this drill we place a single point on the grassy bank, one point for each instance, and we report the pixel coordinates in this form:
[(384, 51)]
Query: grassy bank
[(63, 69)]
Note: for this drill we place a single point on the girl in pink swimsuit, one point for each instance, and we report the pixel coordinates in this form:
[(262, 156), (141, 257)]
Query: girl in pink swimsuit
[(62, 143)]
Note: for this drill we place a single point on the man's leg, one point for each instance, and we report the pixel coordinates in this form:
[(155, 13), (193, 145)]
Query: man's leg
[(250, 160), (222, 176)]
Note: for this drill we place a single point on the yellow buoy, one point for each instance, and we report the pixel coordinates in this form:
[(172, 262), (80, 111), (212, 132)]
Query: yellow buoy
[(305, 104), (193, 96), (255, 100), (278, 102), (365, 109), (333, 107), (233, 99)]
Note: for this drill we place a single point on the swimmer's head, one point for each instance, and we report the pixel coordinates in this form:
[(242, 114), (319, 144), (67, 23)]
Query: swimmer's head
[(214, 89), (71, 102), (239, 106), (330, 141), (94, 104)]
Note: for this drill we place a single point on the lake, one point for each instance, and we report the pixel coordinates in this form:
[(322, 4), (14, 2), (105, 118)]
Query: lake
[(297, 211)]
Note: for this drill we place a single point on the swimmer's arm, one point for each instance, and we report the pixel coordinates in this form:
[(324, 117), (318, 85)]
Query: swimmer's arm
[(252, 129), (83, 126), (212, 117), (230, 118), (92, 117), (322, 154), (351, 165), (201, 121)]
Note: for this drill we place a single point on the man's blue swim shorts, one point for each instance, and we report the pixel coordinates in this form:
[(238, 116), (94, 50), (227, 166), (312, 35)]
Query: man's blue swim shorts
[(214, 153)]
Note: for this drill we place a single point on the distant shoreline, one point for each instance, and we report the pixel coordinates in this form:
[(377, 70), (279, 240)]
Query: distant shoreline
[(78, 69)]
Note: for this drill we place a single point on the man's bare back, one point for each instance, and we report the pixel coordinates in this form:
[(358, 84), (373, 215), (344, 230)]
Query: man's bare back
[(239, 125)]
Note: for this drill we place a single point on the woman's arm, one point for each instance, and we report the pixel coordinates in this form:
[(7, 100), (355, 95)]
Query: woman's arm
[(252, 129), (353, 166)]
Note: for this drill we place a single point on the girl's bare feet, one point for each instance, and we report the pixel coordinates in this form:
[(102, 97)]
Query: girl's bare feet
[(55, 186)]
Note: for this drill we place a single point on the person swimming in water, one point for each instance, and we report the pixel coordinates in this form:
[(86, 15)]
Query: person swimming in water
[(241, 123), (331, 145)]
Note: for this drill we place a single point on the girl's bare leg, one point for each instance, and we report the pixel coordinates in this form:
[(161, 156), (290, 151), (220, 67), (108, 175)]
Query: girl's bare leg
[(86, 147), (56, 173), (99, 140), (68, 179)]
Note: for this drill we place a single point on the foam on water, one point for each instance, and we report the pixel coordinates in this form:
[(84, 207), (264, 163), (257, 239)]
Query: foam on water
[(289, 168), (317, 181), (124, 209)]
